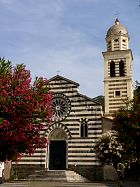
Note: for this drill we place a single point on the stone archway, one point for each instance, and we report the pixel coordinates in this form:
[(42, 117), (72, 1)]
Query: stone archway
[(57, 149)]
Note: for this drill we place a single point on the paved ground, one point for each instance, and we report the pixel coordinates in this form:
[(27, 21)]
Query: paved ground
[(52, 184), (64, 184)]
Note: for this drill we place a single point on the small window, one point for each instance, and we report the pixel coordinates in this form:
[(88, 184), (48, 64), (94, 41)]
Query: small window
[(124, 40), (84, 129), (117, 93), (116, 40)]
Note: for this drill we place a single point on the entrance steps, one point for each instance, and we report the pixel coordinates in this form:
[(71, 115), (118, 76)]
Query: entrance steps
[(72, 176), (57, 175)]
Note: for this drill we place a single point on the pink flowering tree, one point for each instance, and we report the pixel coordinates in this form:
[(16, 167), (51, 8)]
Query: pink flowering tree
[(23, 109)]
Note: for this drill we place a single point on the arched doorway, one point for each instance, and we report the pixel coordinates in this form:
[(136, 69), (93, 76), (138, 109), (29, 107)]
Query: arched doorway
[(57, 149)]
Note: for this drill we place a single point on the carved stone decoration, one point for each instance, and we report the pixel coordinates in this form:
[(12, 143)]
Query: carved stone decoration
[(51, 129), (58, 134), (60, 107)]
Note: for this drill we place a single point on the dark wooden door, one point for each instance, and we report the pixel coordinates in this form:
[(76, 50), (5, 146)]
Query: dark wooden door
[(57, 156)]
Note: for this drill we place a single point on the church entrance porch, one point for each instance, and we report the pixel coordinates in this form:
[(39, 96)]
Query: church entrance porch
[(57, 150), (57, 156)]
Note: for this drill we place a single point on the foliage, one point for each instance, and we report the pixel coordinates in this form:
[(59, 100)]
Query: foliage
[(100, 99), (23, 109), (109, 149), (127, 123)]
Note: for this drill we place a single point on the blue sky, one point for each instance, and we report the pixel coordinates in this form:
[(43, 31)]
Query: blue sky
[(67, 36)]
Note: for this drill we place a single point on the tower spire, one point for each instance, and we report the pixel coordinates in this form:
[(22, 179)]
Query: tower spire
[(117, 22)]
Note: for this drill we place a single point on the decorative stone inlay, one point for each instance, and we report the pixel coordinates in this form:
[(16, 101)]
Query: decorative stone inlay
[(60, 107), (58, 134), (55, 126)]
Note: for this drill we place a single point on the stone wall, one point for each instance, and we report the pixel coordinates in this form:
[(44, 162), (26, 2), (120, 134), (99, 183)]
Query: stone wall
[(23, 171)]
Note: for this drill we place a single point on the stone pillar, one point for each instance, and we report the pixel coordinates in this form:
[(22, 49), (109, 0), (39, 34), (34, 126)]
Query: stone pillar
[(7, 170)]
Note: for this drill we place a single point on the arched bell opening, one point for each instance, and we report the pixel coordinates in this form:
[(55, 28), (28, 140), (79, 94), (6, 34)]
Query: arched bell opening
[(112, 69)]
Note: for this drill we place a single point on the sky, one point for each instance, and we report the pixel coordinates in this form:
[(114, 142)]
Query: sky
[(66, 37)]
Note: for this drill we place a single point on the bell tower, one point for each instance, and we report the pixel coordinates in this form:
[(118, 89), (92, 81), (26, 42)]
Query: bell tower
[(117, 69)]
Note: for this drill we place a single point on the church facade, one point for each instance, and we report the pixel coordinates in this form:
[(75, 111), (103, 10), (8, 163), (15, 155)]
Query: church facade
[(77, 122)]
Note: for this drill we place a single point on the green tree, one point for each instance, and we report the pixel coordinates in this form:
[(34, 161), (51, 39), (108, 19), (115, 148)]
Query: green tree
[(127, 123)]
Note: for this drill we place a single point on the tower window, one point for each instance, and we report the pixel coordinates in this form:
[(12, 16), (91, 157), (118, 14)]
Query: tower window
[(124, 40), (117, 93), (112, 69), (84, 128), (109, 45), (121, 68), (116, 40)]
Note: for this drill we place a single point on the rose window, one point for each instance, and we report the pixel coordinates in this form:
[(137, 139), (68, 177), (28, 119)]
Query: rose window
[(60, 107)]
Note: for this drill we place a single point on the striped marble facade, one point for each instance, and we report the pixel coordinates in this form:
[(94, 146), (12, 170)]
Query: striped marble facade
[(118, 89), (80, 129)]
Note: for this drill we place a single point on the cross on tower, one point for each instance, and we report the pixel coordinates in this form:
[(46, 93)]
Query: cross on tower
[(117, 14)]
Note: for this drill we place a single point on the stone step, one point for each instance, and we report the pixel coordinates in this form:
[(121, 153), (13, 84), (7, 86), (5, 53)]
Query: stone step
[(55, 175), (50, 179), (73, 177), (45, 173), (49, 175)]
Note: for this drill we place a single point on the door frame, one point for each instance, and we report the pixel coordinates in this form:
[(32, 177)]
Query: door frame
[(56, 138)]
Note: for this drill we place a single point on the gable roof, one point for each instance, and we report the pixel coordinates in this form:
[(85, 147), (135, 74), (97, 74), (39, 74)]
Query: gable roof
[(88, 98), (58, 77)]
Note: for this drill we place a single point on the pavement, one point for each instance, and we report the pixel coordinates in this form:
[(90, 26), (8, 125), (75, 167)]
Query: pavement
[(68, 184)]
